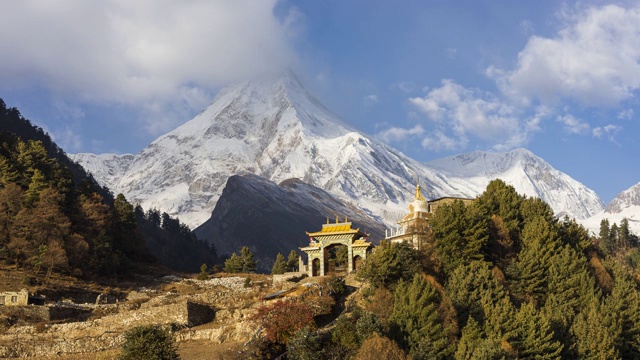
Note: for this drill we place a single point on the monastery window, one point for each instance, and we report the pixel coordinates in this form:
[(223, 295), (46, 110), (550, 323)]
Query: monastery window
[(14, 299)]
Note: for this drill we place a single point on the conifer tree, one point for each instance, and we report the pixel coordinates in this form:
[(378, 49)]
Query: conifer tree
[(466, 287), (623, 309), (390, 263), (248, 260), (529, 273), (233, 264), (460, 233), (44, 224), (292, 261), (591, 338), (575, 234), (279, 266), (475, 345), (11, 197), (624, 234), (606, 244), (415, 322), (37, 184), (502, 200), (533, 336)]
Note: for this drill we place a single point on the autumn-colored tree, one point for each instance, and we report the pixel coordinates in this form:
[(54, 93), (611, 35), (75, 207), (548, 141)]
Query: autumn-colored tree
[(380, 347), (11, 197), (44, 224), (283, 318)]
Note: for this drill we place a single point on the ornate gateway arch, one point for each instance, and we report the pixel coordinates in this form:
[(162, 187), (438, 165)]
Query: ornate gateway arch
[(339, 233)]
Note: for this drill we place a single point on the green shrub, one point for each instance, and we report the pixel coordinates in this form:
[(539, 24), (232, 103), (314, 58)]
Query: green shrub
[(149, 342)]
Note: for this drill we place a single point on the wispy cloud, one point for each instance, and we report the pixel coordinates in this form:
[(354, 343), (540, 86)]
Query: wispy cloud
[(574, 125), (396, 134)]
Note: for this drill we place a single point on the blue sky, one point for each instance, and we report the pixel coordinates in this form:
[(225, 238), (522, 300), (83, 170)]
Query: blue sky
[(431, 78)]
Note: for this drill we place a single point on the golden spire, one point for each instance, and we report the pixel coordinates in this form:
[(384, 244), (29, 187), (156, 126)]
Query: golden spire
[(327, 219), (336, 219), (418, 193)]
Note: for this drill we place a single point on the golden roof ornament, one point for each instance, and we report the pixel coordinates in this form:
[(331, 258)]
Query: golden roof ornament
[(418, 193)]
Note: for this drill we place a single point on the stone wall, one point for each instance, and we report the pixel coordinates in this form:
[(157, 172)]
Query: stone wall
[(35, 313)]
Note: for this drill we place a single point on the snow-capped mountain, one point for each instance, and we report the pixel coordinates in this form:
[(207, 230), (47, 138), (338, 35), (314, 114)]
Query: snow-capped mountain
[(529, 174), (276, 130), (624, 205)]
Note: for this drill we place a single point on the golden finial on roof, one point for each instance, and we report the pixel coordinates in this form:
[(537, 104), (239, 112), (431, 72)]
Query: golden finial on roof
[(418, 193), (346, 219), (336, 219), (327, 219)]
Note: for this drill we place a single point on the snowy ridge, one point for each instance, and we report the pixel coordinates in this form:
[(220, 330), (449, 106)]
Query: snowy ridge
[(276, 130), (624, 205), (529, 174)]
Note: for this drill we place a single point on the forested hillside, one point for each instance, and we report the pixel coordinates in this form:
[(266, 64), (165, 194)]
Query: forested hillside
[(500, 278), (54, 216)]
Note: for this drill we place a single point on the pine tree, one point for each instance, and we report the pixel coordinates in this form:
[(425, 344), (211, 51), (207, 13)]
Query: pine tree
[(475, 345), (461, 234), (390, 263), (248, 260), (466, 287), (528, 273), (37, 184), (575, 234), (624, 234), (613, 238), (11, 197), (233, 264), (44, 224), (292, 261), (605, 237), (590, 336), (415, 322), (534, 338), (279, 266), (623, 307)]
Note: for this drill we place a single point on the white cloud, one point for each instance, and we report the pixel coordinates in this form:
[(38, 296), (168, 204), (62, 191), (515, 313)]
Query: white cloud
[(406, 87), (438, 141), (625, 114), (371, 99), (594, 60), (610, 131), (574, 125), (141, 52), (396, 134), (464, 112)]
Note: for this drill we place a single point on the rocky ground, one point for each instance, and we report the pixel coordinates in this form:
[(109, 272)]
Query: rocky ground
[(101, 335)]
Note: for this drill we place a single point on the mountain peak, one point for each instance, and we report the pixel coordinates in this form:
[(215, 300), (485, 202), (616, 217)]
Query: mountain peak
[(627, 198)]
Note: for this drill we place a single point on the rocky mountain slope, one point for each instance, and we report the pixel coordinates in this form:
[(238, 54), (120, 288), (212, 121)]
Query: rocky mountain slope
[(276, 130), (271, 218)]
